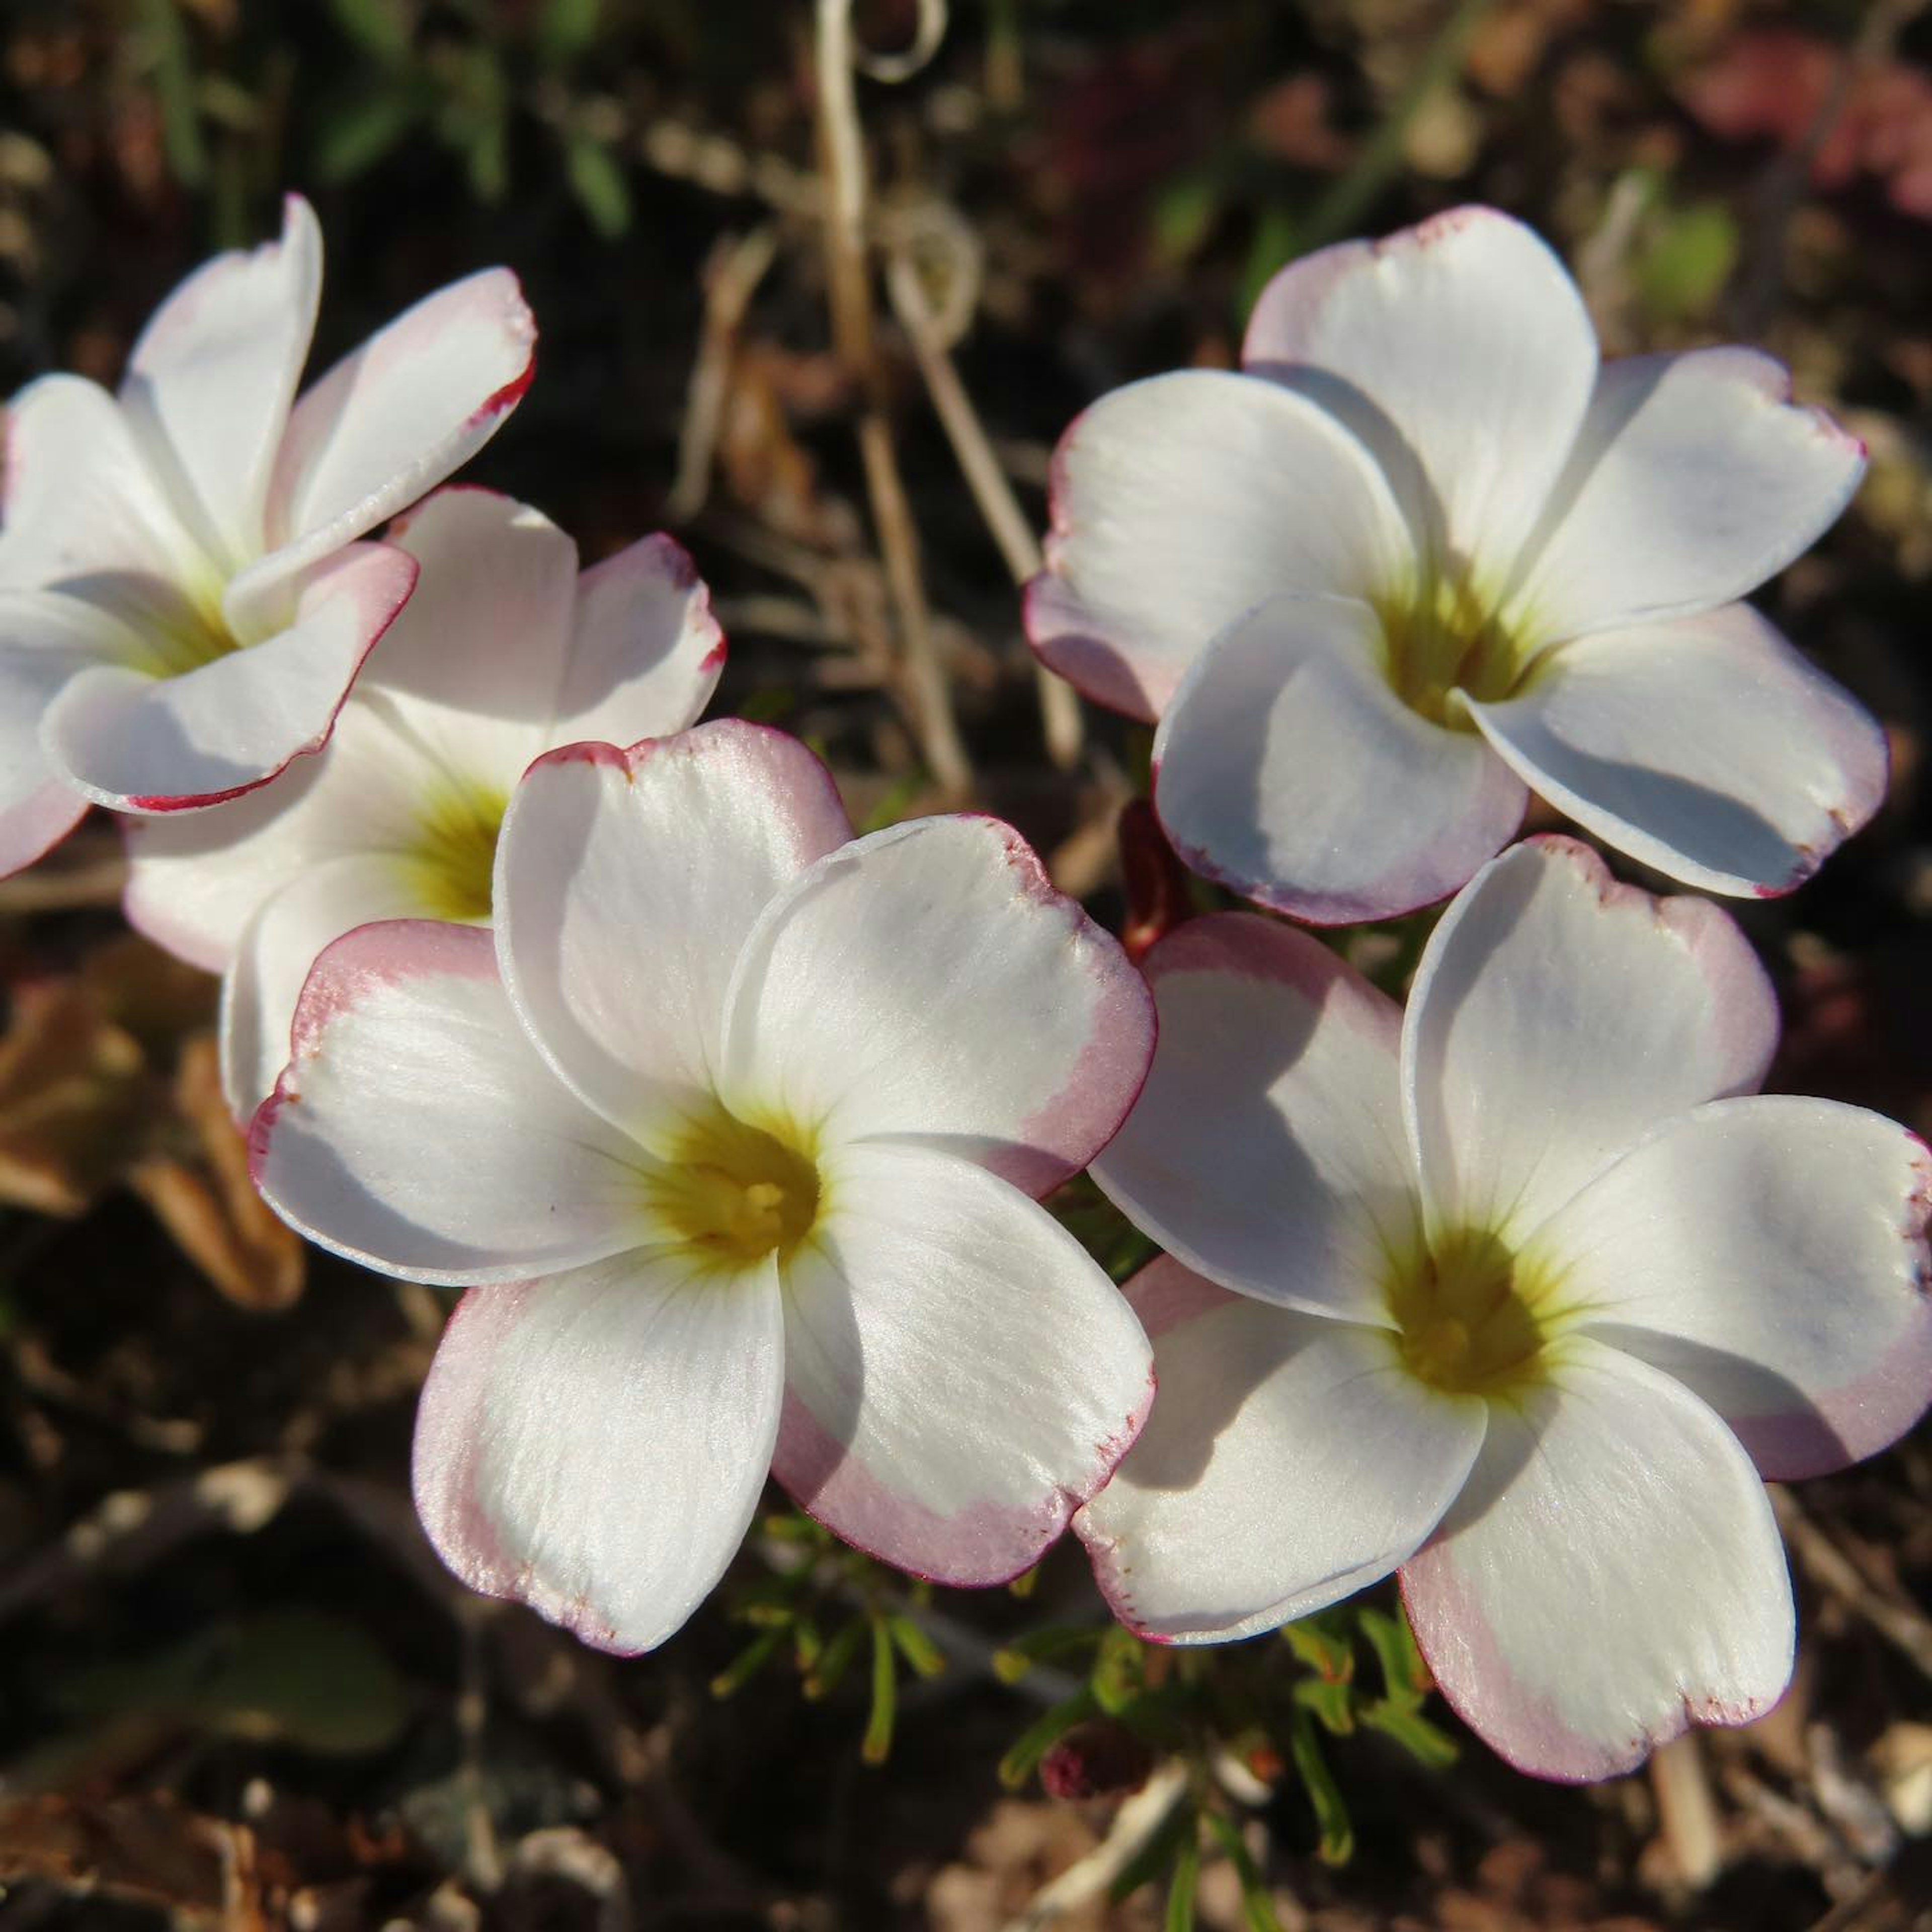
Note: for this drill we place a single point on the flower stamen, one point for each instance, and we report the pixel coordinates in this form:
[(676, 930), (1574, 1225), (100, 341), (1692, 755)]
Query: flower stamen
[(733, 1193), (1467, 1311)]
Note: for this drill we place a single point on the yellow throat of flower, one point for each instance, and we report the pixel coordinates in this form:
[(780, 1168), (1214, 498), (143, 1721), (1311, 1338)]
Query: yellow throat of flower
[(452, 854), (733, 1193), (1444, 635), (1472, 1317)]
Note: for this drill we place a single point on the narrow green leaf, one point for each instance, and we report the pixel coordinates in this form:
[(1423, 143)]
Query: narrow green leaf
[(836, 1660), (174, 92), (384, 29), (567, 28), (746, 1664), (358, 132), (1404, 1675), (1321, 1642), (1331, 1813), (1416, 1735), (918, 1649), (1329, 1701), (1013, 1660), (877, 1745), (598, 183), (1120, 1672), (1257, 1908), (1182, 1887)]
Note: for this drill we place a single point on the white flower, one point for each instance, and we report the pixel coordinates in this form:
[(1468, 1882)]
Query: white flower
[(738, 1123), (504, 651), (1520, 1292), (183, 602), (1426, 553)]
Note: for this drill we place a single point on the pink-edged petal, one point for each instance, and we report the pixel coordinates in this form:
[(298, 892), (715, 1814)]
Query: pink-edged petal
[(390, 421), (416, 1129), (927, 985), (645, 650), (1770, 1253), (1555, 1017), (84, 511), (1706, 747), (1459, 352), (195, 879), (472, 665), (1694, 478), (1266, 1149), (1181, 502), (1287, 770), (1611, 1574), (210, 382), (626, 884), (139, 743), (279, 944), (1289, 1461), (594, 1444), (960, 1374)]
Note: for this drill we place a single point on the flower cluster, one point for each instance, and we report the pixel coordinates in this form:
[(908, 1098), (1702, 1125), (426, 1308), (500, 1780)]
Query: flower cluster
[(735, 1128)]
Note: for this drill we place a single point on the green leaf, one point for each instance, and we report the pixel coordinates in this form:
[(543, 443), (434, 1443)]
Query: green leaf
[(1330, 1702), (489, 160), (1011, 1661), (1685, 270), (877, 1745), (384, 29), (1024, 1754), (1416, 1735), (598, 184), (1120, 1672), (174, 92), (358, 132), (1182, 1887), (1257, 1908), (746, 1664), (1337, 1843), (306, 1678), (836, 1659), (568, 27), (1183, 214), (918, 1649), (1321, 1642), (1404, 1674)]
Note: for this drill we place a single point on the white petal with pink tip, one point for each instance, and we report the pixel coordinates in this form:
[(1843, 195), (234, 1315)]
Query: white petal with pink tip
[(1459, 352), (961, 1375), (1289, 1461), (878, 998), (1611, 1574), (1267, 1146), (595, 1445), (418, 1131), (1705, 746), (1768, 1252), (1181, 502), (1694, 479), (1556, 1016), (1287, 769), (627, 883)]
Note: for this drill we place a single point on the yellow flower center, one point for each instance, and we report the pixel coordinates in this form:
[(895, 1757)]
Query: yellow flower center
[(183, 629), (1443, 636), (1472, 1316), (734, 1193), (452, 854)]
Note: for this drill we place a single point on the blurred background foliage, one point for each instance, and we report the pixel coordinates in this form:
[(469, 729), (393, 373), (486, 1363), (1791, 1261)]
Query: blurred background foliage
[(237, 1690)]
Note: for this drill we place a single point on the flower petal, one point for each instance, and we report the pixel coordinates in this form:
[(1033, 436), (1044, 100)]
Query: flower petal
[(1706, 747), (1555, 1017), (1694, 478), (1770, 1253), (84, 510), (595, 1445), (1266, 1149), (1180, 503), (645, 651), (195, 879), (390, 421), (1611, 1575), (831, 1016), (46, 639), (1459, 352), (627, 882), (1290, 1461), (416, 1129), (290, 931), (1287, 770), (961, 1375), (139, 743), (210, 382), (472, 665)]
